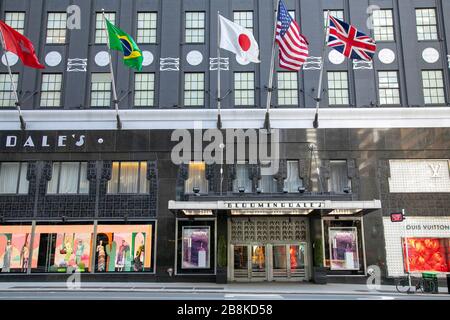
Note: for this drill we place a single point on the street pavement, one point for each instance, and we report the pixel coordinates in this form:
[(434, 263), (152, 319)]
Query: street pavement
[(204, 291)]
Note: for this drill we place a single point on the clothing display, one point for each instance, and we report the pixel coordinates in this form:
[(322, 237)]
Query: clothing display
[(101, 257), (7, 258), (137, 260)]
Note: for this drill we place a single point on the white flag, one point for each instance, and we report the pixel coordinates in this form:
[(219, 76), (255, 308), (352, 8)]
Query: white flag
[(238, 40)]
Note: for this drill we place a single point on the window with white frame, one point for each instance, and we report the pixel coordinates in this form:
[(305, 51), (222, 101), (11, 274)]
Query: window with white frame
[(287, 88), (267, 183), (293, 180), (383, 25), (336, 13), (101, 35), (7, 98), (388, 87), (16, 20), (196, 182), (338, 88), (146, 27), (426, 24), (242, 181), (244, 88), (129, 177), (51, 90), (338, 180), (144, 89), (244, 19), (433, 86), (101, 90), (68, 178), (56, 27), (195, 27), (13, 178), (194, 89)]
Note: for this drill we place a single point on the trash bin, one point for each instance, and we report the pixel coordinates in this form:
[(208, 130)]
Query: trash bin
[(430, 282), (448, 283)]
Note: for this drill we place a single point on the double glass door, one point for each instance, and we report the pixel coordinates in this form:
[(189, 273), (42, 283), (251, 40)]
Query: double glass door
[(269, 262)]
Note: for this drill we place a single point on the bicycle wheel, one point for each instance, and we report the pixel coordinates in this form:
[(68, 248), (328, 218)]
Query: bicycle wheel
[(402, 285), (420, 286)]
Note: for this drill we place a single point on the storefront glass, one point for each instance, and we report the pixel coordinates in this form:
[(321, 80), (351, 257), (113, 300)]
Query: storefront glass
[(343, 249), (15, 248), (195, 250), (427, 254)]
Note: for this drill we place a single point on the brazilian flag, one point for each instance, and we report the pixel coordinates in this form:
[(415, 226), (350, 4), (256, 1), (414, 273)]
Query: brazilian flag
[(121, 41)]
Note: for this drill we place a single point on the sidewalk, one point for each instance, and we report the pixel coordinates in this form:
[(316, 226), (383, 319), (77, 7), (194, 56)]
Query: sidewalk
[(255, 288)]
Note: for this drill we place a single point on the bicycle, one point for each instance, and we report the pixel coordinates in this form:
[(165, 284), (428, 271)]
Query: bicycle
[(402, 285)]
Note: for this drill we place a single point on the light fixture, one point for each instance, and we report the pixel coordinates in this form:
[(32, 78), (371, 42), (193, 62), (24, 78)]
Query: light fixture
[(258, 190), (301, 189), (285, 190), (347, 190), (241, 189), (196, 191)]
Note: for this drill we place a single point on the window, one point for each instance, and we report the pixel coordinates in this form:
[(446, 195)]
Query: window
[(51, 90), (292, 181), (194, 89), (195, 27), (69, 178), (56, 27), (101, 36), (244, 19), (426, 254), (338, 180), (287, 88), (334, 13), (244, 88), (7, 98), (242, 180), (433, 86), (129, 177), (343, 248), (292, 14), (267, 183), (338, 88), (16, 20), (426, 24), (13, 178), (144, 89), (195, 248), (101, 90), (389, 89), (197, 179), (383, 25), (147, 24)]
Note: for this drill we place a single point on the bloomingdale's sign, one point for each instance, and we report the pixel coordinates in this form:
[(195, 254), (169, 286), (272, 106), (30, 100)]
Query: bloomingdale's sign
[(273, 205)]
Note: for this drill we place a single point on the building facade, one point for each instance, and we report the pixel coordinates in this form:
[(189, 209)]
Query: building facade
[(79, 193)]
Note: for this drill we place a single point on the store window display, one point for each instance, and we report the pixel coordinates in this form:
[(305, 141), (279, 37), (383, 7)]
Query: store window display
[(14, 248), (427, 254), (195, 250)]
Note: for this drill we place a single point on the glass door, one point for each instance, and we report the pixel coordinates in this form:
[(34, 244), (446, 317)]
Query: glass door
[(279, 260), (240, 263), (258, 263), (297, 258)]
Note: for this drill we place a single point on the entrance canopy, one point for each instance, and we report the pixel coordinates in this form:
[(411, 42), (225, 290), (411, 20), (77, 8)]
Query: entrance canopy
[(261, 208)]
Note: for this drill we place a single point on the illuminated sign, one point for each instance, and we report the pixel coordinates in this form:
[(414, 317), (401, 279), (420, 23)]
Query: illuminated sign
[(397, 217)]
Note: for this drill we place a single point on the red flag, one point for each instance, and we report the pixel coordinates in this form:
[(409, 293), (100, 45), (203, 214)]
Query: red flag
[(20, 45)]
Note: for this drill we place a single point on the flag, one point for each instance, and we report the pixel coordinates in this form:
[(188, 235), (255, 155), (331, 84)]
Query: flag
[(239, 40), (293, 45), (20, 45), (349, 41), (121, 41)]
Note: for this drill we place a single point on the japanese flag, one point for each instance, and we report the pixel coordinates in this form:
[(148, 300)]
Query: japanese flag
[(238, 40)]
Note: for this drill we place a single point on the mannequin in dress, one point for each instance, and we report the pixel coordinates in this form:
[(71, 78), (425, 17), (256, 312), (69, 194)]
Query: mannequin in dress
[(101, 257)]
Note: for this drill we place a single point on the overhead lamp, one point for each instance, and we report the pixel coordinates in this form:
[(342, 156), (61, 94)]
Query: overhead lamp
[(241, 189), (301, 189), (347, 190)]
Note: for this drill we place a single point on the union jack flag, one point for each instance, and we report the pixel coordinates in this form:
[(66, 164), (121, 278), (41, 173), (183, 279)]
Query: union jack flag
[(349, 41)]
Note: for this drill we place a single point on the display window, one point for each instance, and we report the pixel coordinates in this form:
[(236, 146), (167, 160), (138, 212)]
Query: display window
[(426, 254), (196, 247), (343, 247), (15, 248)]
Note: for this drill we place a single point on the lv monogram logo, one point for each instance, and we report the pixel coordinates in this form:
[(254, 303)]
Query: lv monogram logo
[(435, 168)]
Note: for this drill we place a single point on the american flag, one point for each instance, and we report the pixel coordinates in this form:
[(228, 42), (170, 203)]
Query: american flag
[(349, 41), (293, 45)]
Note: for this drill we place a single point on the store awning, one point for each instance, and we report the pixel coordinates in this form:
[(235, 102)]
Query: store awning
[(325, 207)]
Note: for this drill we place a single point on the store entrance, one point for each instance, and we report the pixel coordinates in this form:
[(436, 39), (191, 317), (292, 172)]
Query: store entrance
[(269, 262)]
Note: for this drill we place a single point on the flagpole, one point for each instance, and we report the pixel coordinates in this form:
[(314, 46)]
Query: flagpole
[(23, 125), (271, 72), (219, 99), (111, 69), (319, 91)]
